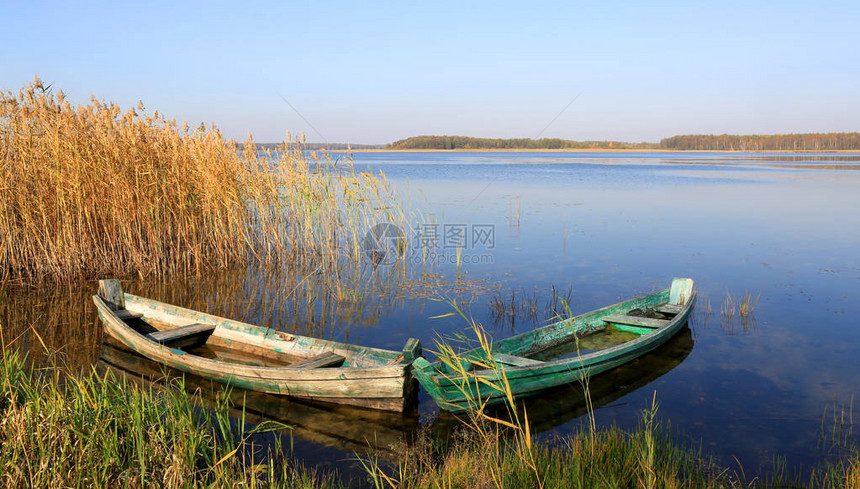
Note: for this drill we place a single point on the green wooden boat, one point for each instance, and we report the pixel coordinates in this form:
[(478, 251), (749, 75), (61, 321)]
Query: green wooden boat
[(560, 353), (256, 358)]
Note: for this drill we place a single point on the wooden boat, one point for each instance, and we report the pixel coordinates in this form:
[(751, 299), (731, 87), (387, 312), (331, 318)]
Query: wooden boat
[(256, 358), (560, 405), (563, 352), (383, 435)]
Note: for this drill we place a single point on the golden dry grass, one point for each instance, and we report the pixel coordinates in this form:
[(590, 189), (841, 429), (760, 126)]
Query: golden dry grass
[(745, 306), (90, 190)]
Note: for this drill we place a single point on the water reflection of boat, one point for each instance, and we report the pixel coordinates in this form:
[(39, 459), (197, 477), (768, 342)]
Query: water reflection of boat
[(380, 433), (560, 353), (558, 406), (256, 358)]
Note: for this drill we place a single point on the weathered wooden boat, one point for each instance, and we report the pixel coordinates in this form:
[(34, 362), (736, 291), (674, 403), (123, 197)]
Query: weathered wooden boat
[(563, 352), (383, 435), (256, 358), (559, 405)]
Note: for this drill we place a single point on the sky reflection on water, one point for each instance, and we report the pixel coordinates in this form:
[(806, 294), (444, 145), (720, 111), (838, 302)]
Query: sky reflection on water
[(597, 228), (614, 225)]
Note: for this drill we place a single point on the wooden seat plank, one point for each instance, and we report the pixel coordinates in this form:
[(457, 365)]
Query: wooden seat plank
[(515, 360), (327, 359), (635, 321), (125, 314), (183, 336), (669, 309)]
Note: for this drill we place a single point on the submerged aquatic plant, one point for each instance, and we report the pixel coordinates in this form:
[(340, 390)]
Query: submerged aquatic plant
[(744, 307), (728, 307), (526, 306), (747, 304)]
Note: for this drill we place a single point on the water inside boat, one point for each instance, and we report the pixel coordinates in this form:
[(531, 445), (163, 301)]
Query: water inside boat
[(597, 341)]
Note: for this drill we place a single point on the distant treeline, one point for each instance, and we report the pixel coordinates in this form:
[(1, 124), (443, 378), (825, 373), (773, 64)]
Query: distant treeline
[(773, 142), (724, 142), (464, 142)]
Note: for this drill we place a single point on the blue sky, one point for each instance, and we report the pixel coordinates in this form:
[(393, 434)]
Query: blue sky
[(374, 73)]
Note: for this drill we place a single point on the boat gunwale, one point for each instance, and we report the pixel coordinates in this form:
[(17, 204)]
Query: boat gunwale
[(180, 359), (582, 361), (383, 354)]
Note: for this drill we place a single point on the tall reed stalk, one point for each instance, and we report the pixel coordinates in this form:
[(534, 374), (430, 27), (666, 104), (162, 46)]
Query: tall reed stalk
[(90, 190)]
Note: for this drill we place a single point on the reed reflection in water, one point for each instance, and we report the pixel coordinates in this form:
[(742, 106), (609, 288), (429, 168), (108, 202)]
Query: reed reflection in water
[(59, 321)]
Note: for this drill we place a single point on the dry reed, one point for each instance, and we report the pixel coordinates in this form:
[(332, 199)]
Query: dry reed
[(747, 304), (743, 307), (90, 190)]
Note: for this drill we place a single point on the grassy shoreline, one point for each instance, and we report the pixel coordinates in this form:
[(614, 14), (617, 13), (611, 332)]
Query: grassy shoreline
[(85, 430)]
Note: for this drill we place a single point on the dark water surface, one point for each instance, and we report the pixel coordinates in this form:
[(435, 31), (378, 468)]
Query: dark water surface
[(592, 228)]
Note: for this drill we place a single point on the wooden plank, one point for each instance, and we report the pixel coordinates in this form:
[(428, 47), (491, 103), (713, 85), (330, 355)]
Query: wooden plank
[(125, 314), (669, 309), (681, 291), (635, 321), (275, 354), (515, 360), (327, 359), (183, 336), (632, 329), (111, 291), (412, 350), (239, 332)]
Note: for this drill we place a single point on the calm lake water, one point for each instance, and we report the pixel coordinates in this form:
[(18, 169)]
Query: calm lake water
[(592, 228)]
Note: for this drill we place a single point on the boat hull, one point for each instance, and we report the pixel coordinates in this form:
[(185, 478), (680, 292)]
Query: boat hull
[(457, 391), (372, 378)]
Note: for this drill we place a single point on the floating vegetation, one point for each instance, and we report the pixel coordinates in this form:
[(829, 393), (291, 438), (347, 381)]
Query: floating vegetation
[(431, 285), (514, 216)]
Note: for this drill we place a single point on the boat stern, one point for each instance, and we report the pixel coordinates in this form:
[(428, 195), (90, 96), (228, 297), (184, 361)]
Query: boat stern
[(682, 291)]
